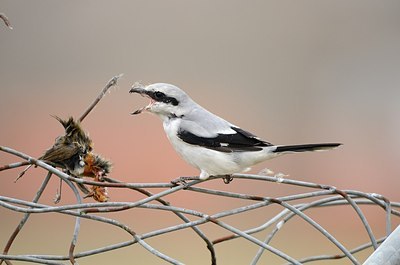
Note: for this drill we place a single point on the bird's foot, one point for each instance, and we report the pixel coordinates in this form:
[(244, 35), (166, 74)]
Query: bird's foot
[(227, 179), (57, 199), (183, 181)]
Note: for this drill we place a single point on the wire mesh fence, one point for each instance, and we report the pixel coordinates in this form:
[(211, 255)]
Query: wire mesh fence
[(322, 196), (291, 206)]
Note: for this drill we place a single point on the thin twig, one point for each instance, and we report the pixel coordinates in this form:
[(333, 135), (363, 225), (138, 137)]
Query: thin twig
[(340, 256), (360, 215), (5, 20), (67, 177), (14, 165), (26, 216), (77, 224), (107, 207), (197, 230), (290, 214), (40, 208), (207, 218), (28, 259), (112, 82), (320, 229), (332, 201)]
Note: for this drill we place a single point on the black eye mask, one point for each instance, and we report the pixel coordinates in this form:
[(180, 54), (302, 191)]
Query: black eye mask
[(161, 97)]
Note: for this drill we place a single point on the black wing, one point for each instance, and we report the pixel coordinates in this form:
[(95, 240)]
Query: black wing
[(240, 141)]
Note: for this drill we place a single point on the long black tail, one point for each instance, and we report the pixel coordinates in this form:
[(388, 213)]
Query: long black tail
[(305, 147)]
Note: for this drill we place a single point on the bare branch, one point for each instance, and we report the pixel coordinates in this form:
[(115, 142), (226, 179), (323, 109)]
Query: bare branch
[(113, 81), (14, 165), (77, 224), (26, 216), (5, 20)]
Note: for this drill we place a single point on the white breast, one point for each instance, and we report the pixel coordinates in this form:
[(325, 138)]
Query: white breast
[(211, 162), (206, 160)]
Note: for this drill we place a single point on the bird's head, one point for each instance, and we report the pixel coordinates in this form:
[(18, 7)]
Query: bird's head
[(165, 100)]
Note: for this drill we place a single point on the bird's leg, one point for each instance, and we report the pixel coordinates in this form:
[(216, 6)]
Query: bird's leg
[(83, 188), (57, 199), (183, 180), (227, 179)]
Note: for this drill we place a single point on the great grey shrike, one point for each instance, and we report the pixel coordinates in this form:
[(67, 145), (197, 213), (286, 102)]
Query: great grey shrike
[(206, 141)]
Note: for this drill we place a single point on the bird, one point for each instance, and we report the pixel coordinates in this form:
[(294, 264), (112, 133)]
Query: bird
[(70, 149), (73, 151), (206, 141)]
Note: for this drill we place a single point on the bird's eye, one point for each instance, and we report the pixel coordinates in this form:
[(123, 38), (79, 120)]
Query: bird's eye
[(159, 95)]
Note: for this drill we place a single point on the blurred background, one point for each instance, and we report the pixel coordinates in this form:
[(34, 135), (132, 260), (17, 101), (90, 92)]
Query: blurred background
[(288, 71)]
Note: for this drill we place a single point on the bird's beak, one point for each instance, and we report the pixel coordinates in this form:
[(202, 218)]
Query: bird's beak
[(138, 88)]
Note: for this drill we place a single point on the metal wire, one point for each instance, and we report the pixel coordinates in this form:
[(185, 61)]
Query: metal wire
[(321, 197)]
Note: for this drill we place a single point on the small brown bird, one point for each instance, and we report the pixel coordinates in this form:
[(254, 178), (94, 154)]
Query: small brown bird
[(70, 149), (73, 152)]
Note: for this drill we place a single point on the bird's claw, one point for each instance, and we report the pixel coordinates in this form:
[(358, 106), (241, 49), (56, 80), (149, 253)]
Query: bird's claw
[(227, 179), (180, 181), (183, 181), (57, 198)]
